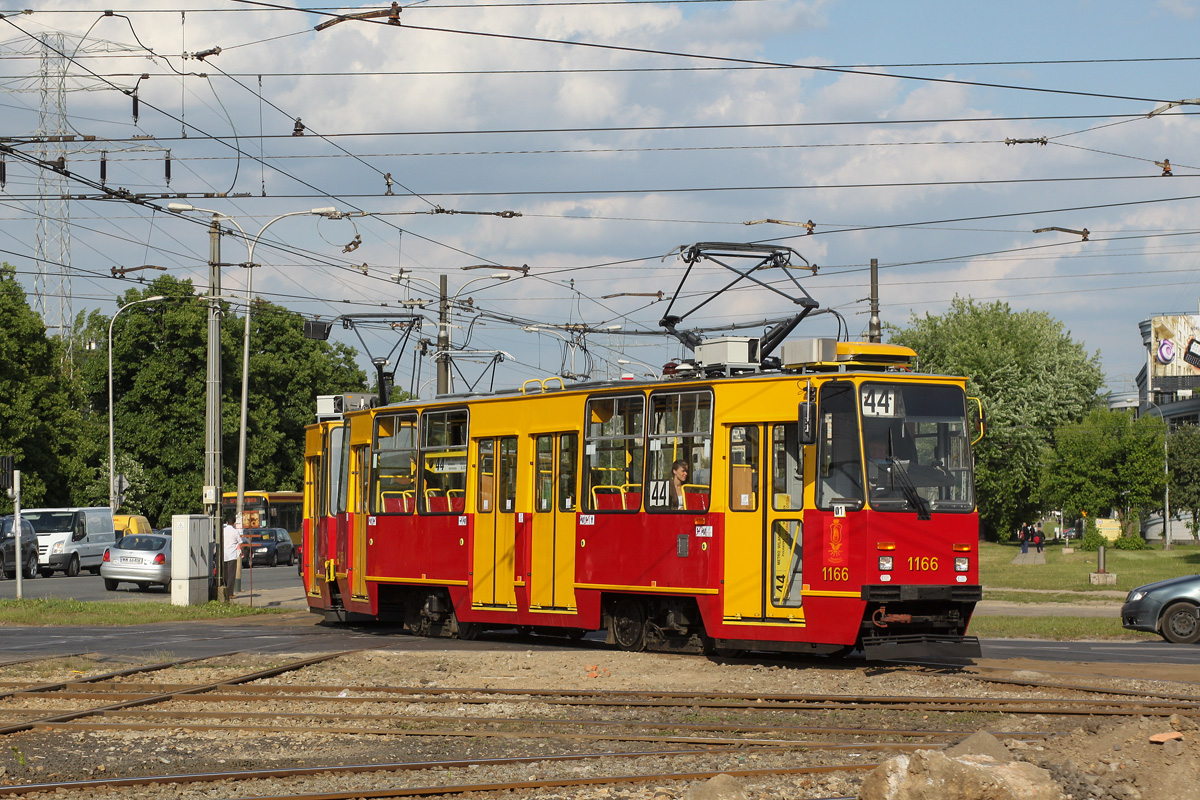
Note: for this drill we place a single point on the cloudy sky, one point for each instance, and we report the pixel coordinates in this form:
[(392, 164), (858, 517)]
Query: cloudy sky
[(614, 133)]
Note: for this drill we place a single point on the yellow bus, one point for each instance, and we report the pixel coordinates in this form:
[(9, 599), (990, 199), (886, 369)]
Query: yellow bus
[(269, 510)]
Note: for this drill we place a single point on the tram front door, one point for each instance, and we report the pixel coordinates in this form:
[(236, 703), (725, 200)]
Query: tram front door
[(764, 531), (495, 524), (552, 558)]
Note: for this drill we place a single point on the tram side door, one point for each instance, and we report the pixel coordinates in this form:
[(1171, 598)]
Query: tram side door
[(763, 529), (783, 525), (551, 576), (314, 496), (494, 556)]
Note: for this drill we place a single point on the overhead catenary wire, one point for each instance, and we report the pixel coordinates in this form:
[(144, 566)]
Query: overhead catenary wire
[(711, 57)]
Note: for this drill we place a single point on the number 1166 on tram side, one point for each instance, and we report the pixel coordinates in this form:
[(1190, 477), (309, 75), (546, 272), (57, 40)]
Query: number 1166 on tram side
[(825, 506)]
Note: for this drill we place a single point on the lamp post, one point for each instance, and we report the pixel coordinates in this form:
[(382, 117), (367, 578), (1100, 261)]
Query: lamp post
[(329, 213), (112, 469), (651, 374), (444, 379), (1166, 479)]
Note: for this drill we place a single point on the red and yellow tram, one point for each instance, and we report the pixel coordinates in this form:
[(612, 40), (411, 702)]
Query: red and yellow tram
[(819, 507)]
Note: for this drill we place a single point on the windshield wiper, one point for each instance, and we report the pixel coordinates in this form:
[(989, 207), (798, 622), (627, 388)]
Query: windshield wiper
[(900, 475)]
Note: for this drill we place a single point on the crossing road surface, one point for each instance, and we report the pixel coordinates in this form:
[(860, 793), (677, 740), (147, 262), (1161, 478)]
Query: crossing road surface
[(302, 632)]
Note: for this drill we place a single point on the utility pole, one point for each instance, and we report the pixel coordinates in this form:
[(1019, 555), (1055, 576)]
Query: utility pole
[(18, 539), (212, 408), (52, 282), (875, 330), (443, 340)]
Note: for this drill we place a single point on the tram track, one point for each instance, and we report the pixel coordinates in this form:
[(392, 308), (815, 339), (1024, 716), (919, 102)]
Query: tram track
[(293, 734), (1149, 704)]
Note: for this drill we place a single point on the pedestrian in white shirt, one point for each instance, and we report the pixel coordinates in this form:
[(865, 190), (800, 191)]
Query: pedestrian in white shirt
[(231, 552)]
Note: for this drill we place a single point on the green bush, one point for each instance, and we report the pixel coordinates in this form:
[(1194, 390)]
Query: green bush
[(1092, 540), (1133, 542)]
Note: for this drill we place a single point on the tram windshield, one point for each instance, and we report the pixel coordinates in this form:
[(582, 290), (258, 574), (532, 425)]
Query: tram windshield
[(917, 448), (915, 454)]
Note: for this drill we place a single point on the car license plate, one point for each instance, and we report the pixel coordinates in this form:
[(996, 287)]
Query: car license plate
[(129, 560)]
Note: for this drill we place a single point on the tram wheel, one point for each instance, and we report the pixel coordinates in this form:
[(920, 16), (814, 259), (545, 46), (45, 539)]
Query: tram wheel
[(628, 625), (468, 631)]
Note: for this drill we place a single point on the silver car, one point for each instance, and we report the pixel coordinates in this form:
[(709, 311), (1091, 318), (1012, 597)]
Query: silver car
[(138, 558)]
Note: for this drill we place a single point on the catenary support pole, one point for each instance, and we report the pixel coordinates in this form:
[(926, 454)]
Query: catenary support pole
[(212, 409)]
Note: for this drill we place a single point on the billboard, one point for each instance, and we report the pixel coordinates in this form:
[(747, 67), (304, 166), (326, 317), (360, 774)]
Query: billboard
[(1175, 346)]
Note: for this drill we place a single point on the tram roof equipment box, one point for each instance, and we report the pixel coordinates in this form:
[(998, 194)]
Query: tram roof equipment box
[(799, 352)]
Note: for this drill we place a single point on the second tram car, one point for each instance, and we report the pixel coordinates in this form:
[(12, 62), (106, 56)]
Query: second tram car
[(821, 507)]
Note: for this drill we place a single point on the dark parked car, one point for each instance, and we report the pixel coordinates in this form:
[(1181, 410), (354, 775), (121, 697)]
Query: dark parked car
[(1170, 608), (268, 546), (29, 548)]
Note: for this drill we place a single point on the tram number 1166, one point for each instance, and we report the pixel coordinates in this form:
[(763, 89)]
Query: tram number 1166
[(835, 573)]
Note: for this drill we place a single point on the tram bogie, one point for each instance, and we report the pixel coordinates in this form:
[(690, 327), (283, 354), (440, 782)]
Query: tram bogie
[(825, 506)]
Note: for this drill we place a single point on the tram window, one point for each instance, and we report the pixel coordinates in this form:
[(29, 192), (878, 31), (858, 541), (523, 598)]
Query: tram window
[(394, 464), (787, 552), (613, 448), (343, 489), (568, 446), (485, 501), (543, 482), (787, 468), (443, 462), (337, 460), (839, 458), (506, 495), (743, 468), (679, 473)]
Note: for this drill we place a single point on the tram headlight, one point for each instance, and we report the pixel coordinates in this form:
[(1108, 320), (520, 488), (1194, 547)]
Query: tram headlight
[(961, 564), (885, 563)]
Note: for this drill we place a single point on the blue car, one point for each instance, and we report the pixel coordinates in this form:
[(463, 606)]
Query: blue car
[(268, 546), (1170, 608)]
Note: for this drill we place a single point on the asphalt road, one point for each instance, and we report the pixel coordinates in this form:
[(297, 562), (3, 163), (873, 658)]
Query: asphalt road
[(280, 587), (277, 587)]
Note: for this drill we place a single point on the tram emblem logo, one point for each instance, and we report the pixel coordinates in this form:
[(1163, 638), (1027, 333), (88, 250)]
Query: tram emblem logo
[(835, 543)]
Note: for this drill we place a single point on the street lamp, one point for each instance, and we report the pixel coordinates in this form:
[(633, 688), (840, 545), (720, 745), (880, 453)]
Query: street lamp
[(328, 213), (1166, 479), (112, 470)]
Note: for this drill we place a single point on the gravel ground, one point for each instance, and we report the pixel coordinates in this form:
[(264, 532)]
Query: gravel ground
[(63, 754)]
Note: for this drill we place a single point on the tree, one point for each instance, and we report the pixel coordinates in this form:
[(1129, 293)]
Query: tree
[(40, 424), (1184, 458), (159, 376), (1031, 377), (1110, 460)]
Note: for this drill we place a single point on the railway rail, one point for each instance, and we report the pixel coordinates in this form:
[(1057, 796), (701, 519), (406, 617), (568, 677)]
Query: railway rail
[(515, 740)]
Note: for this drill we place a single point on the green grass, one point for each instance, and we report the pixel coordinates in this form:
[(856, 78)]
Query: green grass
[(76, 612), (1069, 573), (1060, 628)]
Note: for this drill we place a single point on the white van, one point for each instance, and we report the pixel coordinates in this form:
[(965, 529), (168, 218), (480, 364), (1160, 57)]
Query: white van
[(70, 539)]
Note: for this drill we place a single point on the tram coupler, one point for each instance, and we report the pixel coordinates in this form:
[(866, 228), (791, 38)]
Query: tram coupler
[(882, 619)]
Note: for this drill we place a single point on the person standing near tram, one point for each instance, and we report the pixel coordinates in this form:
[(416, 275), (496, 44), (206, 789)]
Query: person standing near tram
[(230, 552)]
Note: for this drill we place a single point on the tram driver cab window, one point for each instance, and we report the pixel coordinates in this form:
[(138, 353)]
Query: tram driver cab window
[(840, 478)]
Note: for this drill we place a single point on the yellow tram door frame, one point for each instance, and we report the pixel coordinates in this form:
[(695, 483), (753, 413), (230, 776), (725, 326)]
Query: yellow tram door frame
[(783, 523), (356, 503), (316, 442), (551, 577), (494, 554), (744, 587)]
